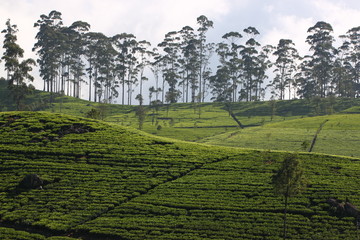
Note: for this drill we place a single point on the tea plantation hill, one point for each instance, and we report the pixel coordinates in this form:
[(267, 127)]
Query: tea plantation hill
[(339, 135), (211, 123), (105, 181)]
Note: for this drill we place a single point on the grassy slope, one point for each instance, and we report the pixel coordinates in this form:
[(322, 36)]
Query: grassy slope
[(111, 182), (339, 136), (178, 121), (92, 167), (210, 123)]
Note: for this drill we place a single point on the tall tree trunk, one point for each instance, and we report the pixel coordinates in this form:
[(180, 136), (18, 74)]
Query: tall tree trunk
[(123, 91), (200, 73), (163, 90), (187, 89), (203, 90), (95, 86), (51, 84), (141, 84), (90, 82), (157, 87)]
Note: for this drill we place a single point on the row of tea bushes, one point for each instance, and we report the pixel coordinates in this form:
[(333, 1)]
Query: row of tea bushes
[(233, 199), (108, 182), (12, 234), (87, 172)]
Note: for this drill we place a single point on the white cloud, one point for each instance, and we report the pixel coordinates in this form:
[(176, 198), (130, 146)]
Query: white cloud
[(342, 15), (269, 8), (290, 27)]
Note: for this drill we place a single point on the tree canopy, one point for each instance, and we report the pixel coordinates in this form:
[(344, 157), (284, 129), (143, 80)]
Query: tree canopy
[(73, 59)]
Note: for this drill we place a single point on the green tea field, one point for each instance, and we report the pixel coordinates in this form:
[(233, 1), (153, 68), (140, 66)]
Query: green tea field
[(339, 135), (105, 181)]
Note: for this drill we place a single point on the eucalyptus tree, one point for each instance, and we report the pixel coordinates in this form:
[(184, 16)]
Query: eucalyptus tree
[(144, 55), (126, 61), (221, 87), (306, 86), (17, 72), (350, 86), (249, 63), (263, 64), (105, 62), (76, 40), (228, 53), (354, 57), (48, 45), (152, 90), (342, 84), (322, 59), (132, 71), (287, 59), (71, 50), (170, 46), (156, 68), (12, 50), (65, 61), (204, 53), (224, 83), (100, 55), (206, 71), (189, 63), (91, 42)]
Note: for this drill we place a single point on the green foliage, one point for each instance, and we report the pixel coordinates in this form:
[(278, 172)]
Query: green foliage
[(229, 199), (12, 234), (107, 181), (320, 64), (141, 115), (338, 136), (19, 93), (93, 113), (289, 180), (305, 145), (17, 72), (214, 119)]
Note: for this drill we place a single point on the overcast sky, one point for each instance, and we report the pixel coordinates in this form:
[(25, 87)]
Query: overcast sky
[(152, 19)]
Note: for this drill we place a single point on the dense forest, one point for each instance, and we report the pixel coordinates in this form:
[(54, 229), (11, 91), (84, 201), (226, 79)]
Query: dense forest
[(72, 59)]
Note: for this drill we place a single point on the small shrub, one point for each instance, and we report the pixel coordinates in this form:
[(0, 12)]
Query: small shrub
[(93, 113), (305, 145), (31, 181)]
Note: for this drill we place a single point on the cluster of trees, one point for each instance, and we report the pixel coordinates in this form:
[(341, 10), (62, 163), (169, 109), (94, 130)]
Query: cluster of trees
[(113, 67), (326, 71), (71, 57)]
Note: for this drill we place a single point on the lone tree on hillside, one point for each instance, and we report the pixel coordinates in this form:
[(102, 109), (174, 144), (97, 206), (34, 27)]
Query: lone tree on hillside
[(141, 115), (288, 181)]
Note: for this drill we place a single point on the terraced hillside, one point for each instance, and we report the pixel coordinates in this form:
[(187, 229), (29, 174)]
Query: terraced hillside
[(194, 122), (103, 181), (186, 121), (339, 135)]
